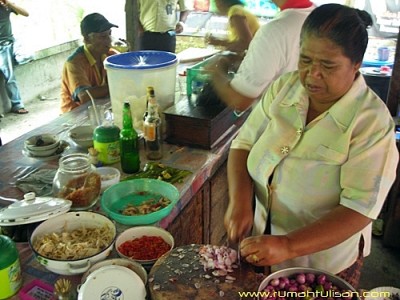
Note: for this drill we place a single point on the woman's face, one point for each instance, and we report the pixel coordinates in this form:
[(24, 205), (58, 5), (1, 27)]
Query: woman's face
[(325, 72)]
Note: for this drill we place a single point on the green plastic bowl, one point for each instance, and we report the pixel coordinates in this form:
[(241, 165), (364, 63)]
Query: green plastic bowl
[(136, 191)]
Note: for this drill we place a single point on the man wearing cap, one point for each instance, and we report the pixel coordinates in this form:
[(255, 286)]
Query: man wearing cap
[(84, 71), (159, 24)]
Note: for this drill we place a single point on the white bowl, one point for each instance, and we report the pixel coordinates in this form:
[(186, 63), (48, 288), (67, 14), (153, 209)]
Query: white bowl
[(42, 153), (130, 264), (82, 135), (109, 176), (42, 142), (66, 223), (140, 231)]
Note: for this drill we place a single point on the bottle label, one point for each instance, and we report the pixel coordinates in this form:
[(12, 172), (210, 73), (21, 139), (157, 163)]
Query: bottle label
[(10, 280), (108, 153), (150, 131)]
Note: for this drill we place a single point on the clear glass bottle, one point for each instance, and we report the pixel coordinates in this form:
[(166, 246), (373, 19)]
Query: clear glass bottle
[(76, 180), (152, 129), (129, 142)]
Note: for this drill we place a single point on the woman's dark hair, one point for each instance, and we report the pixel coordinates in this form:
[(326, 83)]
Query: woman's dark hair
[(343, 25)]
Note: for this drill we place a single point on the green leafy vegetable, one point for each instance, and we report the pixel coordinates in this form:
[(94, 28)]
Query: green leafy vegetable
[(157, 170)]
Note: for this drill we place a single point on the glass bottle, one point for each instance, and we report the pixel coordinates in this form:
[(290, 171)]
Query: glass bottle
[(149, 94), (152, 129), (77, 181), (129, 142)]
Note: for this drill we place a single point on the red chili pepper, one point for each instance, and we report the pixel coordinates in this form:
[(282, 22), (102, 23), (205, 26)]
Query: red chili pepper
[(144, 248)]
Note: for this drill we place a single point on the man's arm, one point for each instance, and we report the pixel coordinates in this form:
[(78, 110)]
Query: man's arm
[(17, 9)]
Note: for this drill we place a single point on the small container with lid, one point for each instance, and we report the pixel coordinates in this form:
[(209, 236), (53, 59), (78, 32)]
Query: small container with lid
[(77, 181), (106, 142), (10, 268)]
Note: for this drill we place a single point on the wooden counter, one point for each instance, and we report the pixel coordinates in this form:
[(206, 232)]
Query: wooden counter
[(196, 219)]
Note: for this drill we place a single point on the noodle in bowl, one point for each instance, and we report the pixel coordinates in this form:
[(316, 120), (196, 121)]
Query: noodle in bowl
[(71, 243)]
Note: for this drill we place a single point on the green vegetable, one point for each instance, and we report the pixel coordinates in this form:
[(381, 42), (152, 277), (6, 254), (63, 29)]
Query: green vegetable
[(157, 170)]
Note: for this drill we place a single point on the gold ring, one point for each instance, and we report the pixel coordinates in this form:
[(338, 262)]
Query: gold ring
[(254, 258)]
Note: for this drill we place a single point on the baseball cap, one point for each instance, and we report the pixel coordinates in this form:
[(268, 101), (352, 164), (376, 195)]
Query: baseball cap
[(95, 22)]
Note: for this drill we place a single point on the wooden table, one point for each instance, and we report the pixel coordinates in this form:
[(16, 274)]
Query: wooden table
[(197, 218)]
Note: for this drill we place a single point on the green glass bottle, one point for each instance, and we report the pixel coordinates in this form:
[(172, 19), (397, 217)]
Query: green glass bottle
[(129, 142)]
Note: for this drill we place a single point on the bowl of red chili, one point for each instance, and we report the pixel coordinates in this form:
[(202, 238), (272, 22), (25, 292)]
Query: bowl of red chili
[(144, 244)]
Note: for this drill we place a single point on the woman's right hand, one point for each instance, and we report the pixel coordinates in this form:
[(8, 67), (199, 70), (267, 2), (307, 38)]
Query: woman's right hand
[(238, 221)]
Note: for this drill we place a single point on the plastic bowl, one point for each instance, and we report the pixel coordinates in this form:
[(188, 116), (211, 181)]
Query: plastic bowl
[(139, 231), (42, 142), (109, 177), (43, 153), (135, 192), (82, 135), (292, 272)]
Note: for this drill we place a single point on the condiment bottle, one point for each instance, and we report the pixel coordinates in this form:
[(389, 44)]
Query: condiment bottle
[(129, 142), (152, 129), (149, 94), (106, 142), (10, 268)]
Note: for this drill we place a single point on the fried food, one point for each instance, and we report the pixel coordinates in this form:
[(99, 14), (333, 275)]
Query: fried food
[(82, 190)]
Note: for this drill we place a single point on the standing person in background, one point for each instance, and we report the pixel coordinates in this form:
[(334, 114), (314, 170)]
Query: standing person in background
[(272, 52), (242, 26), (313, 164), (84, 70), (7, 54), (158, 24)]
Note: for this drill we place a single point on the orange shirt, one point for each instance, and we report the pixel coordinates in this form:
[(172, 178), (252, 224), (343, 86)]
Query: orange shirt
[(80, 73)]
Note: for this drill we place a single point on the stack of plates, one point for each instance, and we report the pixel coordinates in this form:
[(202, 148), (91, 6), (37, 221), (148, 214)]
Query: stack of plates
[(44, 146)]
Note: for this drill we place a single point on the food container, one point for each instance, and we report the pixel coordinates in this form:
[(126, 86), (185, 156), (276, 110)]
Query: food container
[(112, 282), (109, 176), (291, 273), (129, 74), (139, 232), (77, 181), (134, 193), (82, 136), (123, 262), (67, 223), (10, 268), (106, 143)]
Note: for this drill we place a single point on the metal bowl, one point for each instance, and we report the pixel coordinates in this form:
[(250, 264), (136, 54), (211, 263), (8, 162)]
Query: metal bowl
[(292, 272), (66, 223)]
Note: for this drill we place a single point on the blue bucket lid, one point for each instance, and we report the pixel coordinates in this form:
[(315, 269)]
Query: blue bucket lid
[(140, 60)]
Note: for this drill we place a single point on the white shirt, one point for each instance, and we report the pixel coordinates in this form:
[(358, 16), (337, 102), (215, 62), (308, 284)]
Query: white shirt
[(346, 156), (273, 51)]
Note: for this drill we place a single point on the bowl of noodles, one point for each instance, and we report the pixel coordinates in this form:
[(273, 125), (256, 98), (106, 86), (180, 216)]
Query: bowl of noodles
[(71, 243)]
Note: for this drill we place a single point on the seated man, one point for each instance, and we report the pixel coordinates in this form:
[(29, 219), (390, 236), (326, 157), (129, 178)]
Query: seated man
[(84, 71)]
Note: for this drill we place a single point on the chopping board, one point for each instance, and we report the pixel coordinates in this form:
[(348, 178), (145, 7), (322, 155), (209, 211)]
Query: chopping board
[(180, 275)]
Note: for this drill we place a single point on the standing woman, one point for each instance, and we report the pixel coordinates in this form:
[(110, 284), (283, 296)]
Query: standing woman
[(242, 26), (319, 154)]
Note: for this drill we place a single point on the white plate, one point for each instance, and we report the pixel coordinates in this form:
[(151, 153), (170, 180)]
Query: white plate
[(382, 293), (112, 282)]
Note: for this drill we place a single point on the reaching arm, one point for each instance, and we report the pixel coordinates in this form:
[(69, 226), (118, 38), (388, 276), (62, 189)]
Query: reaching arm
[(17, 9), (96, 92)]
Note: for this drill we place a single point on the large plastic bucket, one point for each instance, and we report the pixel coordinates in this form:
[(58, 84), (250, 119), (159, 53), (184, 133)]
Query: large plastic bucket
[(129, 74)]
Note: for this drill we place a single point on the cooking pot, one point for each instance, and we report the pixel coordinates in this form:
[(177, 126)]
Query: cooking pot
[(67, 223)]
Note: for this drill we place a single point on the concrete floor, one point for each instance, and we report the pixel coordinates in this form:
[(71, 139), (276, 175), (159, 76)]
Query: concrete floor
[(381, 268)]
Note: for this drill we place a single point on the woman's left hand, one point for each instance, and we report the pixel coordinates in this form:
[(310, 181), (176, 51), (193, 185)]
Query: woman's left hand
[(265, 250)]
